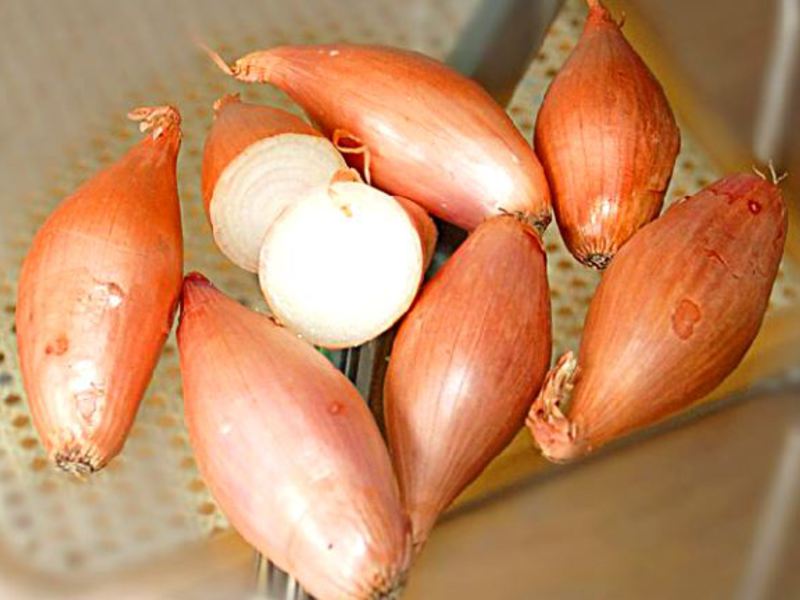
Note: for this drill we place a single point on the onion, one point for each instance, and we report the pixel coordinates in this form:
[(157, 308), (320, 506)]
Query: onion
[(257, 161), (430, 134), (289, 450), (608, 142), (673, 316), (96, 301), (465, 365), (341, 265)]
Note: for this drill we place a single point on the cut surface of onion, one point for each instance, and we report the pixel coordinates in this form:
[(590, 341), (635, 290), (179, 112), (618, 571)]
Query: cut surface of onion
[(260, 183), (340, 266)]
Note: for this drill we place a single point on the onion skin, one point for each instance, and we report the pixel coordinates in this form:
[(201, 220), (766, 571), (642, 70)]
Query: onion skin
[(237, 125), (289, 450), (447, 146), (97, 296), (608, 141), (465, 364), (428, 234), (674, 314)]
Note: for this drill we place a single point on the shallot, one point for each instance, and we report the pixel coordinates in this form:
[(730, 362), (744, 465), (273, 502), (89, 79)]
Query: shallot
[(428, 133), (466, 363), (289, 450), (97, 295), (608, 141), (673, 316)]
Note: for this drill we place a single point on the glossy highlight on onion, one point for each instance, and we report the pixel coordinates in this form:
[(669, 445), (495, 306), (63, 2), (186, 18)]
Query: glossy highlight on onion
[(672, 317)]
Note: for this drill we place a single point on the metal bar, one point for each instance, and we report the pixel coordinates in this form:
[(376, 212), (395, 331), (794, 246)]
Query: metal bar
[(779, 84)]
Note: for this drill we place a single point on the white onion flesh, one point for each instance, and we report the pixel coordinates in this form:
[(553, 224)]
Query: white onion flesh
[(340, 266), (260, 183)]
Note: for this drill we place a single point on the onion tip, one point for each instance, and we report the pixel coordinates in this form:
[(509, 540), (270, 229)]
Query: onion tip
[(195, 277), (217, 59), (774, 176), (224, 101), (155, 119)]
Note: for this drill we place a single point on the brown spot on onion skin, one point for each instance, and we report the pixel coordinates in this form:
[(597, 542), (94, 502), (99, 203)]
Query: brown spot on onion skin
[(685, 318), (57, 347)]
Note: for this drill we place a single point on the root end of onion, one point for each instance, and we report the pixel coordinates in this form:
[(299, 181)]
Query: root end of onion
[(598, 260), (554, 433), (78, 460), (540, 222)]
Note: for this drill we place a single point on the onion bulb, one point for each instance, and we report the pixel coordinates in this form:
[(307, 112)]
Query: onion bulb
[(289, 450), (257, 161), (97, 294), (673, 316), (608, 141), (342, 264), (429, 134), (466, 363)]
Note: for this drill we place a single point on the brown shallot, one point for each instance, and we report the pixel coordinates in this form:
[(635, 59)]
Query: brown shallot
[(608, 141), (466, 363), (673, 316), (289, 450), (97, 294), (428, 133)]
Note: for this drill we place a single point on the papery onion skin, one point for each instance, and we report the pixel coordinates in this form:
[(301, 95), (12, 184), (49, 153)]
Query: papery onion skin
[(433, 135), (674, 314), (97, 294), (466, 363), (289, 450), (608, 141), (237, 125)]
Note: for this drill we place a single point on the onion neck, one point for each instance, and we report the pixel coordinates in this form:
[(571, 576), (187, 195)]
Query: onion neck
[(224, 101), (156, 120), (556, 435)]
